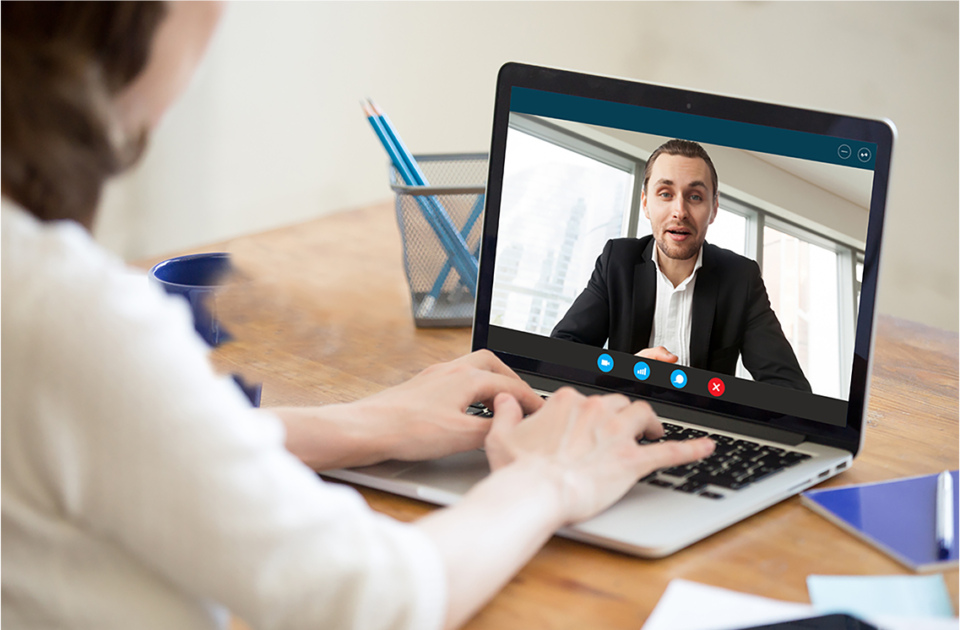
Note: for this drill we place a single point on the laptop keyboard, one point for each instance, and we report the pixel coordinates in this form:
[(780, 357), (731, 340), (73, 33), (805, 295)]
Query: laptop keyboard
[(735, 463)]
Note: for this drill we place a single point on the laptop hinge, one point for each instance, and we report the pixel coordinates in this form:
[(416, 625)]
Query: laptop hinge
[(683, 414)]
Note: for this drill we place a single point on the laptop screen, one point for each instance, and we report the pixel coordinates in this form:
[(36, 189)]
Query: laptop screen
[(699, 251)]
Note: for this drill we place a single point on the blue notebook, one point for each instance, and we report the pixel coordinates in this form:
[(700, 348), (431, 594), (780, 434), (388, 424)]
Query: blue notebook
[(897, 517)]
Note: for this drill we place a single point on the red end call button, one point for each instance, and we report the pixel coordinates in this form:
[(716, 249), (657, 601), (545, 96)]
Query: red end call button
[(716, 387)]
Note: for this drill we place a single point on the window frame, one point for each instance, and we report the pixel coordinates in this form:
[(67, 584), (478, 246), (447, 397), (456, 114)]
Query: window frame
[(592, 149)]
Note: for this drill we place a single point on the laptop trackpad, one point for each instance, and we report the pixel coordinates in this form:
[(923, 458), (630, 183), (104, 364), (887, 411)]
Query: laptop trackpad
[(454, 474)]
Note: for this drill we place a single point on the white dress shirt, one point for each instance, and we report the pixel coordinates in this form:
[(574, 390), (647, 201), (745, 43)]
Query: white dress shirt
[(673, 315), (141, 490)]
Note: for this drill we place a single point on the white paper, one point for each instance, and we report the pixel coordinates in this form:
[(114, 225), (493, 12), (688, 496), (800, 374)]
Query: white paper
[(915, 623), (689, 605)]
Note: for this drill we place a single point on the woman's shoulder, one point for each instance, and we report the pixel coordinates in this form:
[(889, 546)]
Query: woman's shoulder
[(70, 304), (38, 256), (57, 269)]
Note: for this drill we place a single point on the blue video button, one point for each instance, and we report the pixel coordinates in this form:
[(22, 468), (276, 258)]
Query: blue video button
[(605, 362), (641, 370), (678, 379)]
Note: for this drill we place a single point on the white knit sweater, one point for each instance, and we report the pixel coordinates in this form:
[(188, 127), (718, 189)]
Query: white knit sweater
[(140, 489)]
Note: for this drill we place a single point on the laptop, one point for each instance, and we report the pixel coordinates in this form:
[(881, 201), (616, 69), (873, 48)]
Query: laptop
[(783, 306)]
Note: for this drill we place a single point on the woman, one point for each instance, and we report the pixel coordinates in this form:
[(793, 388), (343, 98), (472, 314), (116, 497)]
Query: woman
[(141, 489)]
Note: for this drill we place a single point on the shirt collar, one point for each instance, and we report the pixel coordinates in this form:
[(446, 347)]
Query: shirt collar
[(688, 279)]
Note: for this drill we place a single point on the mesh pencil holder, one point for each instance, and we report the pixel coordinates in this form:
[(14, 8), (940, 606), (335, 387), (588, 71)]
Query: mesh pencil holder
[(431, 218)]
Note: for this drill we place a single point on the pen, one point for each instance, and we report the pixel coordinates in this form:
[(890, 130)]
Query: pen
[(944, 514)]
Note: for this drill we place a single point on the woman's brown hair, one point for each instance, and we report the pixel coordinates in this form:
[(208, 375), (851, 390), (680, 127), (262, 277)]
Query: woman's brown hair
[(62, 65)]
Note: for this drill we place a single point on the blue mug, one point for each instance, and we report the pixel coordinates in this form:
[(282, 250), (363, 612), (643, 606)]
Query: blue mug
[(196, 278)]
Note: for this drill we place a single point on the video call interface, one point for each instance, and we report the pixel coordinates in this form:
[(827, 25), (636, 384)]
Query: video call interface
[(770, 319)]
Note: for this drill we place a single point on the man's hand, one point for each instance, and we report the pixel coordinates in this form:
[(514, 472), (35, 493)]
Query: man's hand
[(658, 354)]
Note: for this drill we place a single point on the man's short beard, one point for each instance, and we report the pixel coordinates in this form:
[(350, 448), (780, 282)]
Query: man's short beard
[(662, 246)]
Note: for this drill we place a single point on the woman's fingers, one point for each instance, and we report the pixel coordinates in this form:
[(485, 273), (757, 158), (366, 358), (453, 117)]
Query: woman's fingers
[(487, 385), (507, 413), (486, 360), (650, 457)]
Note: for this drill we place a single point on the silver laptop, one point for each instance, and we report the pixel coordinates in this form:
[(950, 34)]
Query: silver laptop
[(776, 348)]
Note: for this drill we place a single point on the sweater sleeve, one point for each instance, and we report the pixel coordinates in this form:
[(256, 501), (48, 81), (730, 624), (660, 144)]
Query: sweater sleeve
[(137, 441)]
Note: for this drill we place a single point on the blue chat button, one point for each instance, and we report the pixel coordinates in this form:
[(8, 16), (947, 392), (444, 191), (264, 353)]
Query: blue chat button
[(678, 379)]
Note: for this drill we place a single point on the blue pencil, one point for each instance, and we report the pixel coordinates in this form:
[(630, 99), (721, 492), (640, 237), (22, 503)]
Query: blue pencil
[(474, 215), (419, 178), (456, 247), (436, 214)]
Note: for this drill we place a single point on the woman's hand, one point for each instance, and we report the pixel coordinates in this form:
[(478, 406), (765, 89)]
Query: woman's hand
[(423, 418), (426, 417), (562, 464), (586, 446)]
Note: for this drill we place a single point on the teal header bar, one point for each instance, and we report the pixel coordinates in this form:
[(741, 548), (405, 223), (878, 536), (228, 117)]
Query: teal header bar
[(797, 144)]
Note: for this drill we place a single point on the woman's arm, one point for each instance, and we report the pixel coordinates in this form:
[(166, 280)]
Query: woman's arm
[(564, 464), (423, 418), (570, 459)]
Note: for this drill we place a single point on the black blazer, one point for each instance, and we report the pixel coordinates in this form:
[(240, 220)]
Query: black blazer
[(731, 312)]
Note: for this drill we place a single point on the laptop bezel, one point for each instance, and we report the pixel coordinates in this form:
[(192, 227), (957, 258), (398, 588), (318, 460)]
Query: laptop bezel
[(880, 132)]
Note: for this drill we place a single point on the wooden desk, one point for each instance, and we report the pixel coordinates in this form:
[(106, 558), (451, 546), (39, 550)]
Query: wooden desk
[(324, 316)]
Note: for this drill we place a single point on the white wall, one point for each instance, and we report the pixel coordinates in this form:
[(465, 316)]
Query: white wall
[(271, 131)]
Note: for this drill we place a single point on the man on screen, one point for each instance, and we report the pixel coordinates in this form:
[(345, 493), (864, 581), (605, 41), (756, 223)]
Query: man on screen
[(673, 297)]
